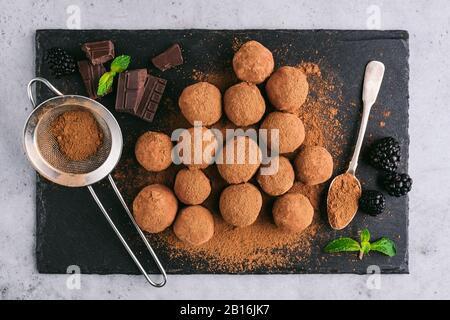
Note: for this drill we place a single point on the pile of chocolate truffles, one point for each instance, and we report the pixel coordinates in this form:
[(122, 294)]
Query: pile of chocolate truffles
[(156, 206)]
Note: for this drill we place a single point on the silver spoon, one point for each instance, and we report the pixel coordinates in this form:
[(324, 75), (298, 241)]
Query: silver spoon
[(372, 82)]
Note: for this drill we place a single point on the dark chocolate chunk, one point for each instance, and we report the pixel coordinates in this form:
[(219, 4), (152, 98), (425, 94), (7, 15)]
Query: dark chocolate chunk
[(154, 89), (130, 88), (91, 75), (170, 58), (99, 52)]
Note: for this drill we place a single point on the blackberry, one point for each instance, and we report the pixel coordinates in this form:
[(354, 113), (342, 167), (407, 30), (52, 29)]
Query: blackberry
[(397, 184), (61, 63), (384, 154), (372, 202)]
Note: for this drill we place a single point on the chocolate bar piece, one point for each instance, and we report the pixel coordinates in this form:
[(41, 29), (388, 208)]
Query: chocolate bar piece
[(99, 52), (91, 75), (130, 88), (170, 58), (154, 89)]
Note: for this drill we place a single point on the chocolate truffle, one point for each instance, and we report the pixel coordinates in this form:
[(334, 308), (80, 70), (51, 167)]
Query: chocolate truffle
[(313, 165), (194, 225), (287, 89), (280, 181), (291, 130), (244, 164), (253, 62), (201, 102), (293, 212), (240, 204), (202, 146), (244, 104), (192, 186), (154, 151), (154, 208)]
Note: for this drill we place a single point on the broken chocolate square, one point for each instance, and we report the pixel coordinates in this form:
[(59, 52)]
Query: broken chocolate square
[(99, 52), (170, 58)]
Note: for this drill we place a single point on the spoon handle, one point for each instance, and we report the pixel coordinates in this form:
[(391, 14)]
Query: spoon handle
[(372, 82)]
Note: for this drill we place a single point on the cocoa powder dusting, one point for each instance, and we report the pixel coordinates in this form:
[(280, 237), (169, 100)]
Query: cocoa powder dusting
[(77, 133), (222, 80), (262, 244), (236, 44), (342, 202), (310, 68), (320, 111)]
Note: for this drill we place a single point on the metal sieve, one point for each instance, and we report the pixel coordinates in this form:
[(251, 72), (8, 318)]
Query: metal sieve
[(43, 152)]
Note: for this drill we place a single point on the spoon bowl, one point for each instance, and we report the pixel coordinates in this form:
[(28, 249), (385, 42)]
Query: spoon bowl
[(349, 215)]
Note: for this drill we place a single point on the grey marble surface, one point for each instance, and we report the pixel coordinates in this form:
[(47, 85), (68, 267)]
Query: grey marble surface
[(428, 23)]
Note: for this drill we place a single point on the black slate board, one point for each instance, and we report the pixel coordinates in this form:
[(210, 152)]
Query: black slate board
[(72, 231)]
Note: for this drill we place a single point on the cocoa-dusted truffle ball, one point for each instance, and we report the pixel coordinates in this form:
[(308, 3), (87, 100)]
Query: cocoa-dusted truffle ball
[(201, 102), (240, 204), (192, 186), (253, 62), (293, 212), (287, 89), (291, 130), (244, 164), (154, 151), (244, 104), (202, 145), (278, 182), (194, 225), (313, 165), (154, 208)]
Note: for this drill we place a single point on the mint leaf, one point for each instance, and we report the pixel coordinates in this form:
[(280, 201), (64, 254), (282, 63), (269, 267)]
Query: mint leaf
[(105, 83), (342, 245), (365, 236), (365, 244), (385, 246), (365, 248), (120, 63)]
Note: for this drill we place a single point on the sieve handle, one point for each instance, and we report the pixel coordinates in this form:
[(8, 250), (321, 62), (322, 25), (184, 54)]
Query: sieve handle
[(44, 81), (124, 242)]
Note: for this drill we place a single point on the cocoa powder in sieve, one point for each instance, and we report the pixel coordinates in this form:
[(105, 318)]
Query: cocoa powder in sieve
[(77, 133)]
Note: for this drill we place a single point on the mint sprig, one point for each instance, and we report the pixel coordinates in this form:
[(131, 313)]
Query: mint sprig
[(384, 245), (119, 64)]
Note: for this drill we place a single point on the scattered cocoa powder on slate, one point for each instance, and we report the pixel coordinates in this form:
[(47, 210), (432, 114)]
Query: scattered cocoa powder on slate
[(236, 44), (342, 201), (310, 68), (77, 133), (320, 113), (222, 80), (261, 246)]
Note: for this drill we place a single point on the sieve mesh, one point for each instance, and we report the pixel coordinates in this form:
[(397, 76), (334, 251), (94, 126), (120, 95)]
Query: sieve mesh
[(49, 150)]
